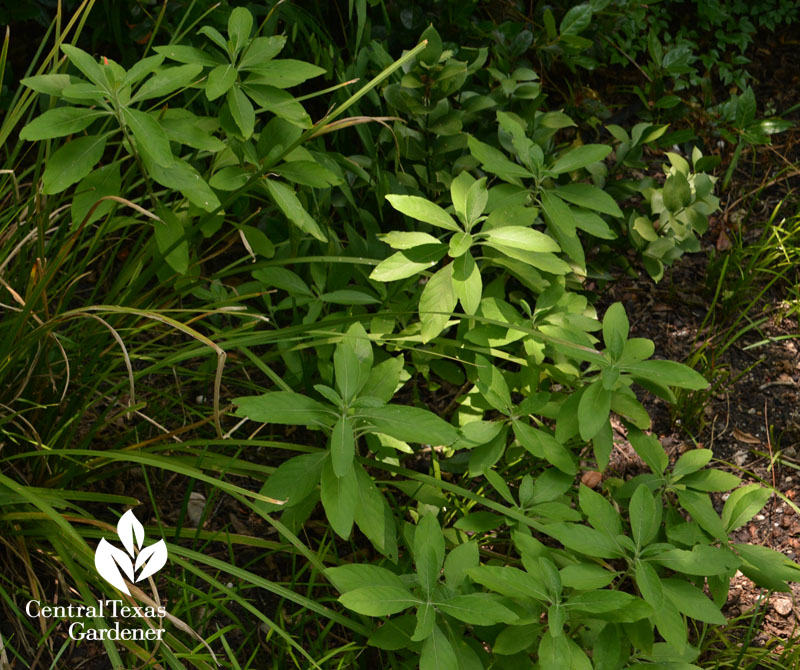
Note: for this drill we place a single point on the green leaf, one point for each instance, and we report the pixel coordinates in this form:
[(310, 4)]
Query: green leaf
[(284, 407), (650, 450), (261, 50), (494, 161), (543, 445), (403, 240), (649, 583), (767, 567), (258, 241), (586, 576), (478, 609), (287, 201), (459, 188), (59, 122), (558, 213), (467, 283), (374, 517), (691, 601), (423, 210), (283, 73), (352, 361), (580, 157), (459, 562), (743, 504), (409, 424), (408, 262), (184, 54), (215, 36), (511, 582), (522, 238), (185, 129), (168, 81), (691, 461), (343, 448), (355, 575), (181, 176), (220, 79), (141, 69), (583, 539), (645, 521), (576, 20), (437, 653), (279, 102), (589, 196), (240, 25), (677, 193), (702, 511), (309, 173), (171, 241), (49, 84), (241, 110), (603, 444), (284, 279), (593, 409), (426, 619), (339, 497), (394, 634), (72, 162), (615, 329), (101, 182), (293, 481), (428, 551), (459, 243), (384, 378), (492, 385), (600, 512), (150, 136), (477, 198), (437, 302), (600, 601), (378, 600), (554, 652), (230, 178), (666, 616), (86, 64), (745, 108), (701, 560)]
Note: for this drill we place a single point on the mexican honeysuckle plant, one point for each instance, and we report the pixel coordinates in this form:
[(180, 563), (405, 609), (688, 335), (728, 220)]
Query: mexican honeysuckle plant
[(108, 115), (360, 405)]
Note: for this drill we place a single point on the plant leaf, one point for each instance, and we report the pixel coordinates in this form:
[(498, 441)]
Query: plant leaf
[(284, 407), (423, 210), (72, 162), (150, 136), (409, 424), (437, 302), (342, 447), (59, 122)]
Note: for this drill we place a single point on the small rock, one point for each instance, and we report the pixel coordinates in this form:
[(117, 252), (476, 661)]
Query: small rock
[(739, 458), (591, 478), (782, 606), (194, 510), (760, 517)]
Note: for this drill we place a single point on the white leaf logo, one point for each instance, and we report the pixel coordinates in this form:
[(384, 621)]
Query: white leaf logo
[(112, 563)]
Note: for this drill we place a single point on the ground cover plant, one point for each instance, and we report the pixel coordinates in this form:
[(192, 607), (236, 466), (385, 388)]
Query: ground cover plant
[(327, 306)]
